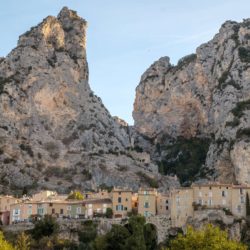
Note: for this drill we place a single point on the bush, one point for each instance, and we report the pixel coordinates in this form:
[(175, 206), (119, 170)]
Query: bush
[(244, 54), (109, 212), (45, 227), (149, 180), (243, 132), (75, 195), (238, 111)]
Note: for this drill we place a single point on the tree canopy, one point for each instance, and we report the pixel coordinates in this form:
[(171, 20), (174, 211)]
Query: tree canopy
[(208, 238)]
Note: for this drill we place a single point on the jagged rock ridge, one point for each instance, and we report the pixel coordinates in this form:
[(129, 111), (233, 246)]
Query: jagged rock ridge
[(54, 132), (205, 96)]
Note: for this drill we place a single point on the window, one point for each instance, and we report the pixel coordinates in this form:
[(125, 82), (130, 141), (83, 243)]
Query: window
[(120, 193), (241, 191), (241, 199), (210, 188), (53, 210), (146, 213), (145, 192), (61, 211), (166, 207), (125, 208), (126, 199), (146, 204), (210, 202), (51, 204), (119, 208), (166, 201), (239, 208), (223, 193), (78, 210), (119, 199), (200, 202)]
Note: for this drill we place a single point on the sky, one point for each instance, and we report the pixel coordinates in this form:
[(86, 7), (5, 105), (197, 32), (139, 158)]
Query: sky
[(125, 37)]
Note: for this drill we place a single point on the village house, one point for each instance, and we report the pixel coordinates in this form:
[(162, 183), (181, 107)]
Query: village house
[(147, 201), (5, 202), (121, 202), (163, 203), (22, 211), (96, 207), (181, 206)]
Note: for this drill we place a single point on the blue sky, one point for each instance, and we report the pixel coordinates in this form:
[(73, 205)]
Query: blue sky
[(126, 37)]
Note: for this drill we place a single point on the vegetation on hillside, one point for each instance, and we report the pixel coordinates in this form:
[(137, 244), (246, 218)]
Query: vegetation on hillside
[(184, 157)]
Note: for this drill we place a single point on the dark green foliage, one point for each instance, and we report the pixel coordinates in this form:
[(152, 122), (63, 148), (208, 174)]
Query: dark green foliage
[(88, 233), (150, 236), (103, 186), (117, 237), (136, 235), (147, 179), (185, 61), (238, 111), (87, 174), (233, 123), (223, 77), (45, 227), (243, 132), (184, 157), (109, 212), (244, 54), (28, 149), (247, 205)]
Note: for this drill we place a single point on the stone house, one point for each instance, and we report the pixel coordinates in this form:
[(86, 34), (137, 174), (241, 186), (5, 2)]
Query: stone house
[(163, 204), (121, 202), (96, 207), (22, 211), (147, 201)]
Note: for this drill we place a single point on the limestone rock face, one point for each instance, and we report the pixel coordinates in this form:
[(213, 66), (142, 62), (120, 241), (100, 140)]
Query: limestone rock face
[(54, 132), (206, 95)]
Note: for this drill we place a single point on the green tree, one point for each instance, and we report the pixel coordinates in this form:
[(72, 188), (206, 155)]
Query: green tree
[(45, 227), (109, 212), (136, 241), (23, 242), (75, 195), (150, 236), (208, 238), (87, 234), (4, 245), (247, 205), (117, 237)]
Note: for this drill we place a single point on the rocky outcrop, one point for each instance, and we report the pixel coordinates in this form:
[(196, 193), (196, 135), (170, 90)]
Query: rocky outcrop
[(206, 95), (54, 131)]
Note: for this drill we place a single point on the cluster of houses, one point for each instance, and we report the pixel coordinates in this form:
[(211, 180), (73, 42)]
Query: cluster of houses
[(178, 204)]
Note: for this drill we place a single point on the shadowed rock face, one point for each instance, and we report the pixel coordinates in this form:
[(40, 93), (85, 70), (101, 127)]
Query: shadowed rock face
[(54, 132), (207, 95)]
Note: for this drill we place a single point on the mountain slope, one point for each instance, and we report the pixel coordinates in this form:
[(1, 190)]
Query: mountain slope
[(206, 97), (54, 132)]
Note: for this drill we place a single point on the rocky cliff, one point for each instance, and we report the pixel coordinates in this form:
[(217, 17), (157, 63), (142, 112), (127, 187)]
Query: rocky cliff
[(197, 113), (54, 132)]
